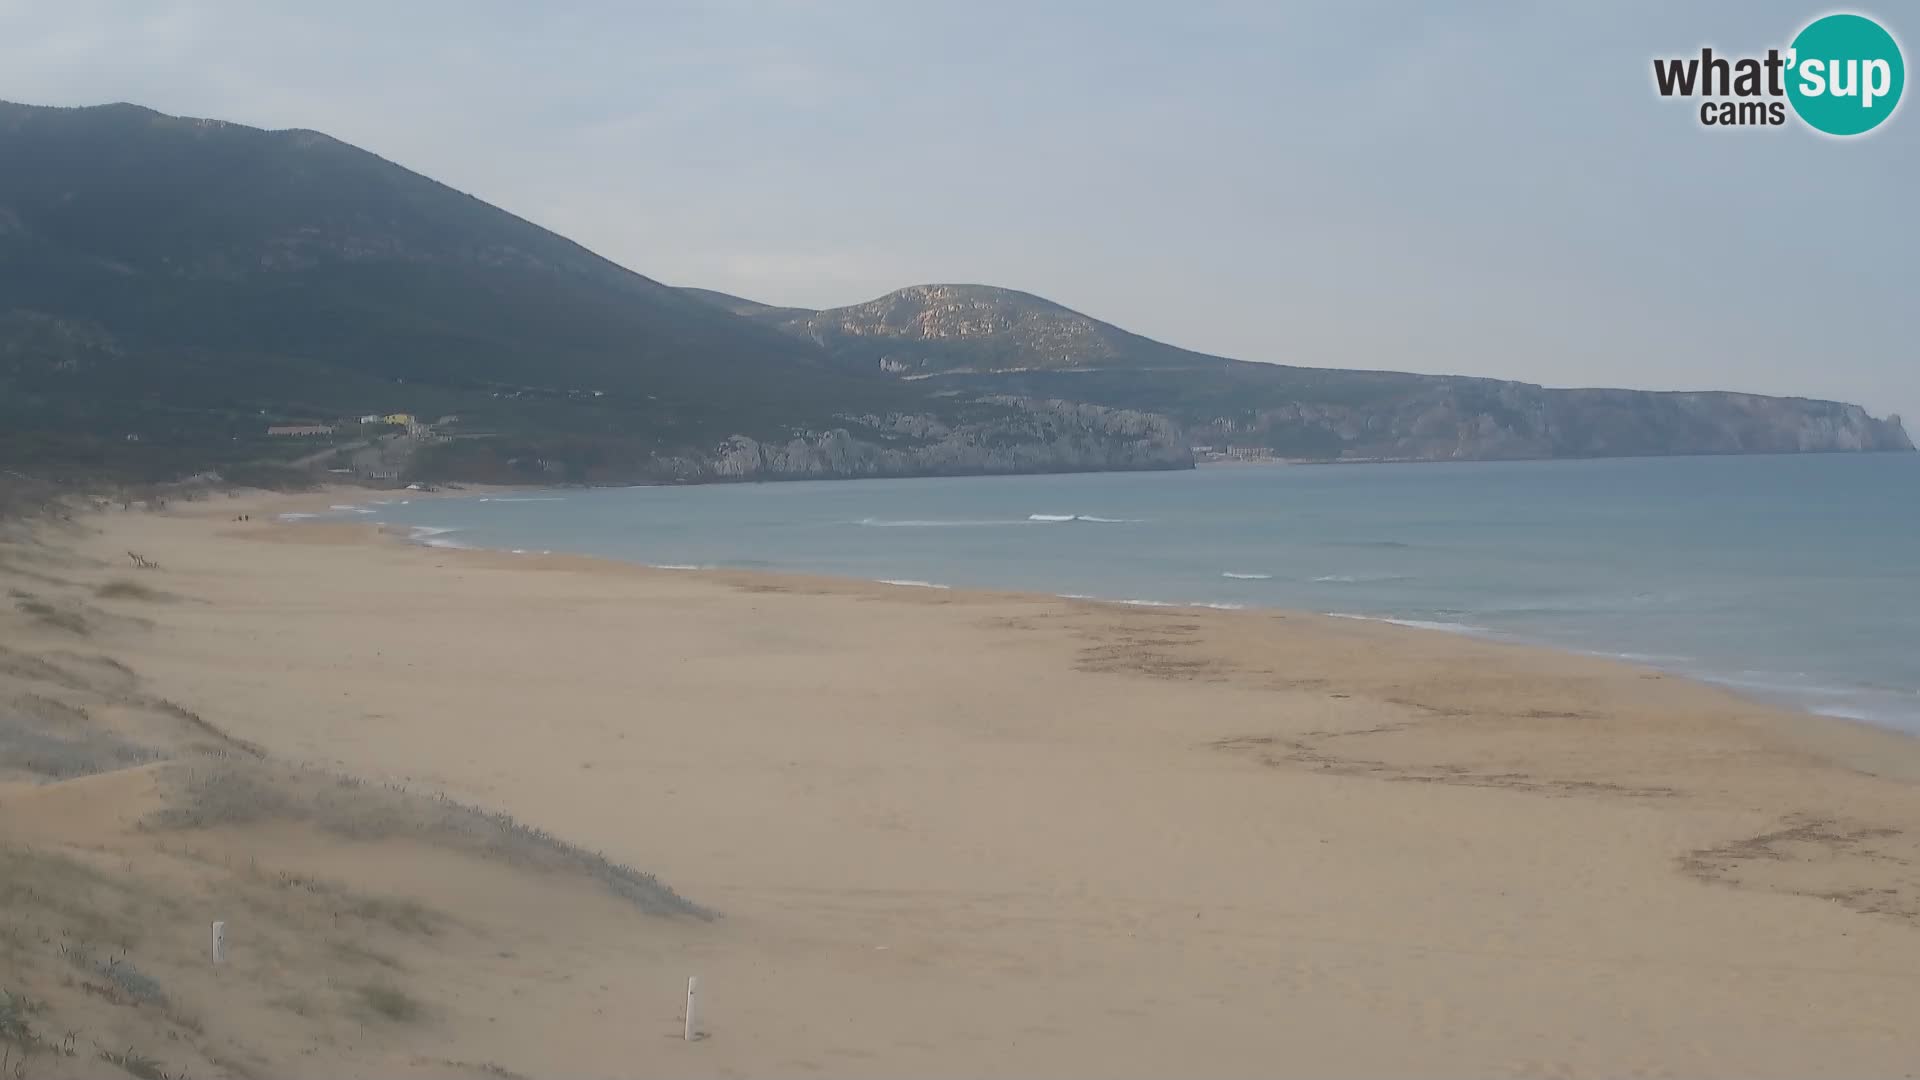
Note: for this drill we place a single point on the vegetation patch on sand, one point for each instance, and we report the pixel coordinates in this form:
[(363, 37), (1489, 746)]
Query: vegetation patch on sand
[(390, 1003), (232, 793), (129, 822), (122, 589)]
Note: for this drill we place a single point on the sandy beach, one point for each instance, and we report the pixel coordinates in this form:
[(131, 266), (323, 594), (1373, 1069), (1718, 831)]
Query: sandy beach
[(945, 833)]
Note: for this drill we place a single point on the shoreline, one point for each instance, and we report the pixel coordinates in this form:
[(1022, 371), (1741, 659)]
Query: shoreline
[(321, 500), (1149, 833), (1780, 698), (1857, 743)]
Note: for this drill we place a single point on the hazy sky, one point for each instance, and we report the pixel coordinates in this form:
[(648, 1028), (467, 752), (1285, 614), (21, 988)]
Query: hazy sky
[(1491, 189)]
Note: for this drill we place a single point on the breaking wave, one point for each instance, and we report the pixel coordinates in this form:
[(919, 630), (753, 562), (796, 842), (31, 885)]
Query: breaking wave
[(435, 536), (1417, 624)]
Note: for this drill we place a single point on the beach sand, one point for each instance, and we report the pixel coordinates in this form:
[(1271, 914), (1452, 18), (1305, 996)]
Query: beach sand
[(959, 833)]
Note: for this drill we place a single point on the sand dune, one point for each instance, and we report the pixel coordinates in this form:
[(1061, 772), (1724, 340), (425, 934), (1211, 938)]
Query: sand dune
[(947, 832)]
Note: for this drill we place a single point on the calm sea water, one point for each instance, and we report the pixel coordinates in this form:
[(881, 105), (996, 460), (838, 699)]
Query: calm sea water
[(1792, 578)]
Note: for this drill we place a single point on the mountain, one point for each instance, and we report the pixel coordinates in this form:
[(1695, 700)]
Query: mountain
[(170, 288), (180, 294), (980, 339)]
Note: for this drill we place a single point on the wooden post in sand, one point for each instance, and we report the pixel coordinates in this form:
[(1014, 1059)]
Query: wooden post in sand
[(218, 951), (693, 1030)]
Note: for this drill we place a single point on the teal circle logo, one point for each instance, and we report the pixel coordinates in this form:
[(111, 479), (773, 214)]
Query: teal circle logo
[(1845, 74)]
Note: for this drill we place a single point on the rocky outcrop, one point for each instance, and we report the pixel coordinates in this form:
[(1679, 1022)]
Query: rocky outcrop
[(948, 327), (1003, 435)]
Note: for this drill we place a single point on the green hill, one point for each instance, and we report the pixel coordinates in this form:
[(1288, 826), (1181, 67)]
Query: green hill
[(171, 289), (188, 282)]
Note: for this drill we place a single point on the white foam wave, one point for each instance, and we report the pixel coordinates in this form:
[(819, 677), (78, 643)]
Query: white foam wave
[(924, 523), (1417, 624), (913, 583), (1221, 605), (675, 566), (1637, 657), (1245, 577), (297, 517), (520, 499), (1765, 682), (435, 536), (352, 509), (1054, 519), (1149, 603)]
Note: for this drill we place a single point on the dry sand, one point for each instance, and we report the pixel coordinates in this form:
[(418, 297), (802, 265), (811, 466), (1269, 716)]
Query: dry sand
[(956, 833)]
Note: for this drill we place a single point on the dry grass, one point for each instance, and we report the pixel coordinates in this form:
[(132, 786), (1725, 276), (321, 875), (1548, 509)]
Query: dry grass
[(15, 1028), (134, 1063), (123, 589), (56, 898), (31, 746), (72, 929), (102, 933), (354, 952), (397, 913), (481, 1068), (75, 929), (238, 793), (390, 1003), (49, 615)]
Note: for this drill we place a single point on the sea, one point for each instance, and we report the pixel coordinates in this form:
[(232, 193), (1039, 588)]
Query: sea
[(1793, 579)]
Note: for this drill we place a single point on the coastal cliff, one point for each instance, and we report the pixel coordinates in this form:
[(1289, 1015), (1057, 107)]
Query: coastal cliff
[(1470, 419), (1028, 437)]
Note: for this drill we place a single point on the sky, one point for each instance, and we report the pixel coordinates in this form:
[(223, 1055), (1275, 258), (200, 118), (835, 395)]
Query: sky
[(1488, 189)]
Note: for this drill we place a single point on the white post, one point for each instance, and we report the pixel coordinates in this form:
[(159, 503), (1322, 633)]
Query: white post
[(219, 950), (693, 1028)]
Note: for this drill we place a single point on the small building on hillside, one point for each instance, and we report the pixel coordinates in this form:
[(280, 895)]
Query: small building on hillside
[(404, 419)]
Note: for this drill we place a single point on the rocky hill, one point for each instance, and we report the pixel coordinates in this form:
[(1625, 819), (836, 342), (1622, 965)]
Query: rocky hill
[(979, 339), (970, 328)]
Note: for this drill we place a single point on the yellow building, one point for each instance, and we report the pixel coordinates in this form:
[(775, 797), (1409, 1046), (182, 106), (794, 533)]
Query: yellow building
[(401, 418)]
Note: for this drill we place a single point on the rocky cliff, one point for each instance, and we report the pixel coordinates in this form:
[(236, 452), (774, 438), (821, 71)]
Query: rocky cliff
[(1481, 420), (1026, 437)]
